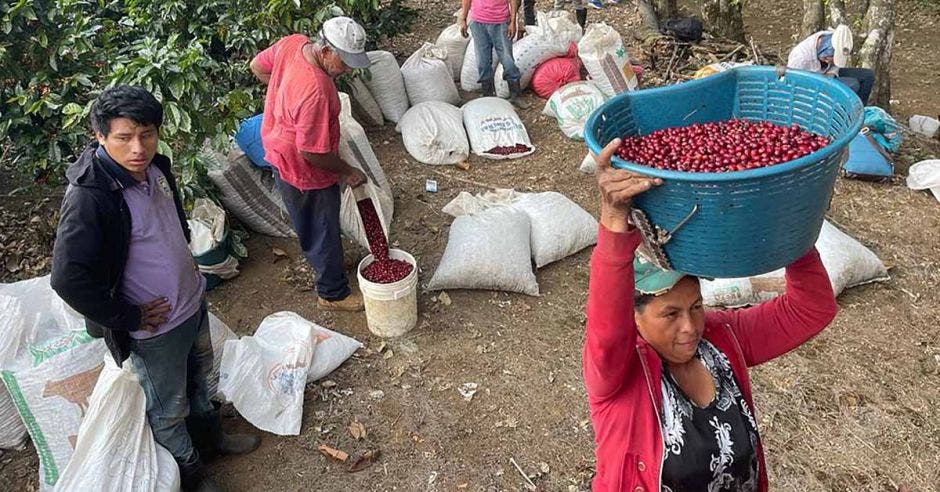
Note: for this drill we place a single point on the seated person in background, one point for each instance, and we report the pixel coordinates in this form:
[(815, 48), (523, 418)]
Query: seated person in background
[(828, 52), (667, 381)]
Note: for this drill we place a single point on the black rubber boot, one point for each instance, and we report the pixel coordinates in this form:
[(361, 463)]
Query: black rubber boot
[(489, 88), (582, 17), (515, 91), (193, 477), (528, 12), (210, 440)]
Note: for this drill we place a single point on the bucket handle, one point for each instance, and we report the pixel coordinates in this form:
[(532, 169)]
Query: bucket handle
[(655, 237)]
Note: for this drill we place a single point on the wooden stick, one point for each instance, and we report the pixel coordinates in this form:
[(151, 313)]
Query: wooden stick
[(675, 51), (754, 50), (526, 477), (729, 55)]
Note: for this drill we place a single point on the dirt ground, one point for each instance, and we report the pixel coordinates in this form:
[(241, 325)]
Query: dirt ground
[(853, 410)]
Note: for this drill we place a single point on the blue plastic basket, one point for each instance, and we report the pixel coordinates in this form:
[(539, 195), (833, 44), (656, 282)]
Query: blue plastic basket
[(740, 223)]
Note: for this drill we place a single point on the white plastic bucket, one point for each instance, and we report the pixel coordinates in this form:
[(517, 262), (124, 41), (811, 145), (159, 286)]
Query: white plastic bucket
[(391, 309), (924, 125)]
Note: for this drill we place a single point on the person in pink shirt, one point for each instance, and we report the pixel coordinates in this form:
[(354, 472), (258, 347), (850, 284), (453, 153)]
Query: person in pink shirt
[(493, 26), (300, 133)]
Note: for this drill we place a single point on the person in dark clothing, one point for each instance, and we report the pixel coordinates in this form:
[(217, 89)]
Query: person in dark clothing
[(121, 259)]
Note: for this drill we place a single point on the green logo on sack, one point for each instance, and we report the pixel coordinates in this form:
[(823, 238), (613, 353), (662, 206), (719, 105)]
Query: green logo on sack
[(56, 346)]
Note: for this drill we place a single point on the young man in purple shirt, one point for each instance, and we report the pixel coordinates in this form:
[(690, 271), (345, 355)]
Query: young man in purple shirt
[(121, 259)]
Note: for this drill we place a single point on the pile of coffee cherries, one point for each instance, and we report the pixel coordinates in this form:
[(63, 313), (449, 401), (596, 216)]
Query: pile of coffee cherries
[(733, 145), (506, 150)]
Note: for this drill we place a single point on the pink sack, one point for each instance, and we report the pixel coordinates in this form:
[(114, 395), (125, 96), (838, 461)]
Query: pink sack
[(554, 73)]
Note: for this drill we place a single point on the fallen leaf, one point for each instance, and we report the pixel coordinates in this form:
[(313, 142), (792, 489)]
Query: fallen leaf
[(364, 461), (464, 165), (357, 430), (463, 485), (444, 297), (333, 453), (278, 252), (467, 390), (544, 468), (328, 384)]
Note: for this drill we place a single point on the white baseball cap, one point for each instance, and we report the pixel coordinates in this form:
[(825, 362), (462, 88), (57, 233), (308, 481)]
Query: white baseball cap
[(842, 45), (348, 38)]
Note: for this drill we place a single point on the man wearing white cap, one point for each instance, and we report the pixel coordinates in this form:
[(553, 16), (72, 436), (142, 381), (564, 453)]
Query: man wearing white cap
[(828, 52), (300, 133)]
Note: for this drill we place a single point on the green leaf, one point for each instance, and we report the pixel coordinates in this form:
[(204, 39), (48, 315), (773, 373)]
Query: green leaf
[(72, 109)]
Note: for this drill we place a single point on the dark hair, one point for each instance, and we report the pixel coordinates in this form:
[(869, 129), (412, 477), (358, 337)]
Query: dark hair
[(640, 300), (125, 101)]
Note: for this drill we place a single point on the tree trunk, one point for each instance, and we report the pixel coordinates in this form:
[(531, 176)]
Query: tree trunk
[(650, 28), (666, 9), (876, 52), (725, 18), (837, 13), (814, 18)]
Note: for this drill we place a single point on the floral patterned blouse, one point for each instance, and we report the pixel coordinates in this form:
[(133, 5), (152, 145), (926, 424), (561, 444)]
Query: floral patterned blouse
[(712, 448)]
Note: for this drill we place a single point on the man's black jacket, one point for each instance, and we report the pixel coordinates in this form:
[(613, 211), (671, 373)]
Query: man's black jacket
[(91, 247)]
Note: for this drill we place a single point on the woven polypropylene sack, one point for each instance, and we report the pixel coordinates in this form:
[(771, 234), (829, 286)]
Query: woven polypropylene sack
[(264, 375), (35, 325), (387, 85), (365, 108), (52, 398), (251, 195), (559, 22), (720, 224), (490, 251), (456, 46), (492, 123), (219, 333), (606, 59), (550, 240), (134, 461), (848, 262), (469, 72), (572, 105), (427, 77), (433, 133), (555, 73), (355, 150)]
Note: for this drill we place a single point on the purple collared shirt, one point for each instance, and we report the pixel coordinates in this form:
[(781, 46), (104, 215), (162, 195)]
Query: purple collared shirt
[(159, 263)]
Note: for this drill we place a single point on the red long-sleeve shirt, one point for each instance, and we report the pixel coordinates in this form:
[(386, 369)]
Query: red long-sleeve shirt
[(623, 373)]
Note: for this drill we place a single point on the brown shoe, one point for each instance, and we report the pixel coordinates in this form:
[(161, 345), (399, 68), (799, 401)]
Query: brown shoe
[(352, 303)]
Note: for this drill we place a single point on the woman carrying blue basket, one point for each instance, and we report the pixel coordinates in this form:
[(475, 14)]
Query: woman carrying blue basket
[(667, 382)]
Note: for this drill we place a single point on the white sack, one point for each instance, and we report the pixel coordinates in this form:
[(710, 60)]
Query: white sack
[(427, 77), (433, 133), (386, 85), (35, 325), (456, 46), (606, 59), (52, 398), (848, 262), (562, 27), (572, 104), (355, 149), (925, 175), (492, 122), (559, 226), (489, 250), (467, 204), (115, 450), (365, 107), (264, 375)]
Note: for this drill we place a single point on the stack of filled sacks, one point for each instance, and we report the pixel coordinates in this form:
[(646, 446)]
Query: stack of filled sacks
[(496, 237)]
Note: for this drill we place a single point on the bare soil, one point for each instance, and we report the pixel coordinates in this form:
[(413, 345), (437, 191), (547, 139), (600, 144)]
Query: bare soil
[(853, 410)]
